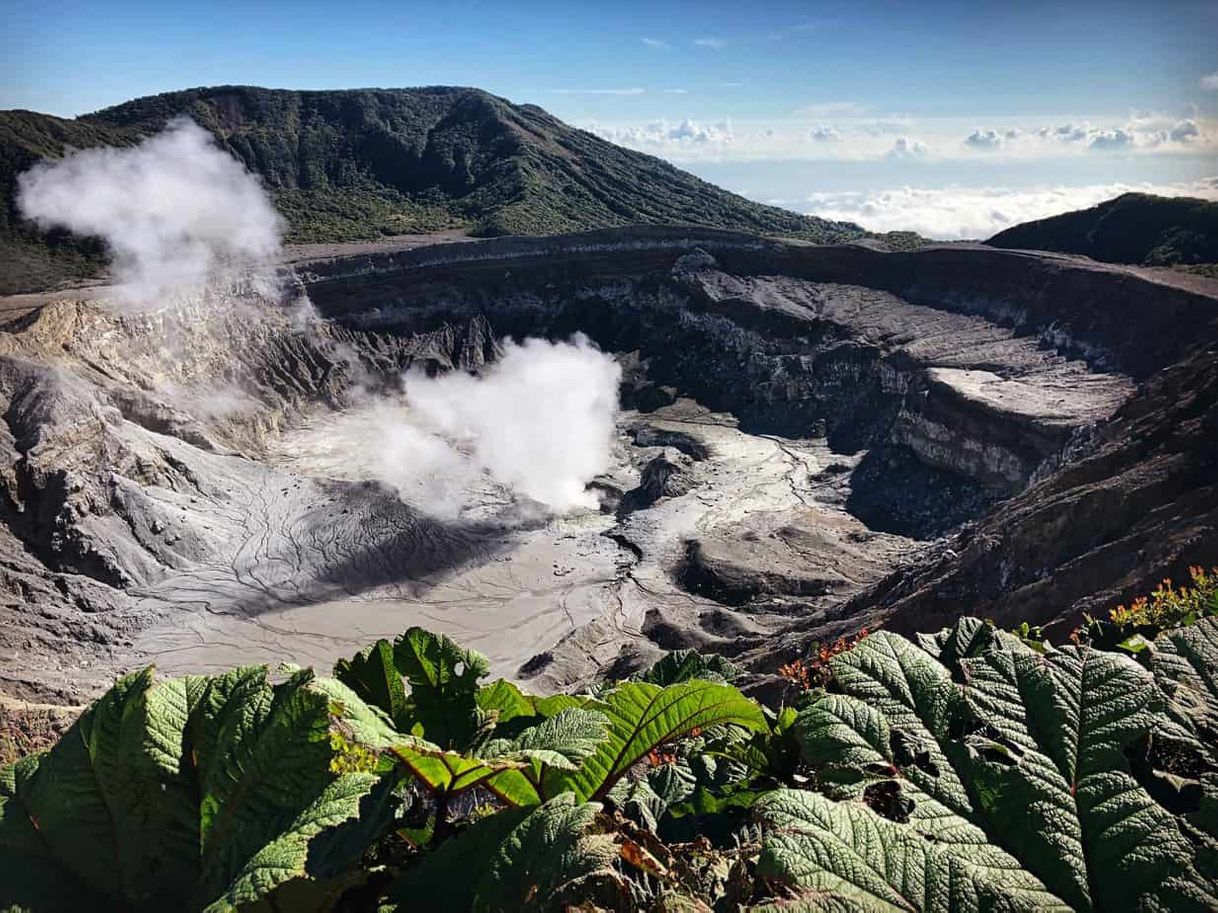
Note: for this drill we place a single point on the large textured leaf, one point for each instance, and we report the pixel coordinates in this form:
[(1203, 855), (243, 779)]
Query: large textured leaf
[(186, 794), (548, 860), (842, 856), (443, 679), (1026, 757), (561, 741), (447, 879), (505, 700), (918, 699), (372, 675), (1185, 667), (643, 716), (541, 858), (683, 665), (91, 810), (511, 768)]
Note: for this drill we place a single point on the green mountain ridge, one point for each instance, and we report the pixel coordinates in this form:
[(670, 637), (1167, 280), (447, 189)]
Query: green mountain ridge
[(359, 164), (1136, 228)]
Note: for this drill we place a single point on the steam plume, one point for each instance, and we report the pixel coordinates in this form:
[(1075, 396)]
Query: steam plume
[(175, 211), (179, 213), (539, 421)]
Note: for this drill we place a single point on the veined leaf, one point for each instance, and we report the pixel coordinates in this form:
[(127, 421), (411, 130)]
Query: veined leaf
[(1185, 668), (561, 741), (683, 665), (546, 855), (1026, 758), (843, 856), (443, 678), (519, 860), (186, 794), (643, 716), (506, 700), (372, 675), (509, 767)]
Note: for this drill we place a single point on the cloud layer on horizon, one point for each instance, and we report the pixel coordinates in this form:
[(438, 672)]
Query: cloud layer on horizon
[(840, 131), (958, 213)]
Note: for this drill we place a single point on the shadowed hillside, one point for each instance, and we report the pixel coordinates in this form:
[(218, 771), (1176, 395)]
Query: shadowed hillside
[(360, 164), (1136, 228)]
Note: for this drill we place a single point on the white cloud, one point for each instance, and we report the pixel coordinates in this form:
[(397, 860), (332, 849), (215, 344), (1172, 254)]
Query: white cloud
[(1111, 139), (655, 43), (954, 213), (884, 126), (843, 138), (1184, 132), (676, 91), (906, 148), (630, 91), (715, 44), (984, 139), (666, 138), (1209, 82)]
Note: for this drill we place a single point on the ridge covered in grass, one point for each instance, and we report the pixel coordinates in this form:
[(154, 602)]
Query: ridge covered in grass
[(360, 164)]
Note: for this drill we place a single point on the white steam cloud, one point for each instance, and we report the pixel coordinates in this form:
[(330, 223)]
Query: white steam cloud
[(538, 422), (176, 211), (181, 216)]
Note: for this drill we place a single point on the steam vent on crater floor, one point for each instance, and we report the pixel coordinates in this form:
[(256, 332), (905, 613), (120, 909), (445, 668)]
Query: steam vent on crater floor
[(810, 439)]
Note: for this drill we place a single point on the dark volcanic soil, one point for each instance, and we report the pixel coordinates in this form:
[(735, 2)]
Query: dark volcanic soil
[(812, 439)]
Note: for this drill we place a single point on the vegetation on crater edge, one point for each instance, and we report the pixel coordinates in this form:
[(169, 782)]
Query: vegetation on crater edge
[(1137, 228), (967, 770)]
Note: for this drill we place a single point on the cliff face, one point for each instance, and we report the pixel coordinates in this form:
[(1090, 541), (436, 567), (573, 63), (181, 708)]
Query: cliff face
[(964, 376), (1139, 503), (818, 438)]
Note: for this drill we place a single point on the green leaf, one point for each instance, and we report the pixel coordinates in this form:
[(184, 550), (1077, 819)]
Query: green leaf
[(918, 700), (548, 860), (372, 675), (561, 741), (1026, 757), (447, 879), (185, 794), (541, 858), (843, 856), (967, 637), (1185, 668), (443, 679), (506, 700), (643, 716), (683, 665)]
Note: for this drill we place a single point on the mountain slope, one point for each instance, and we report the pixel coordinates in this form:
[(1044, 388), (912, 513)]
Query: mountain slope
[(358, 164), (1136, 228)]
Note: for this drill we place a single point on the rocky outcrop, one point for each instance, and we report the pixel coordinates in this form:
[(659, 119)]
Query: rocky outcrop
[(662, 477), (1138, 504), (959, 404)]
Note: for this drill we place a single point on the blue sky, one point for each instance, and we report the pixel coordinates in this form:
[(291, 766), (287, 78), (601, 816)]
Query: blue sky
[(829, 107)]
